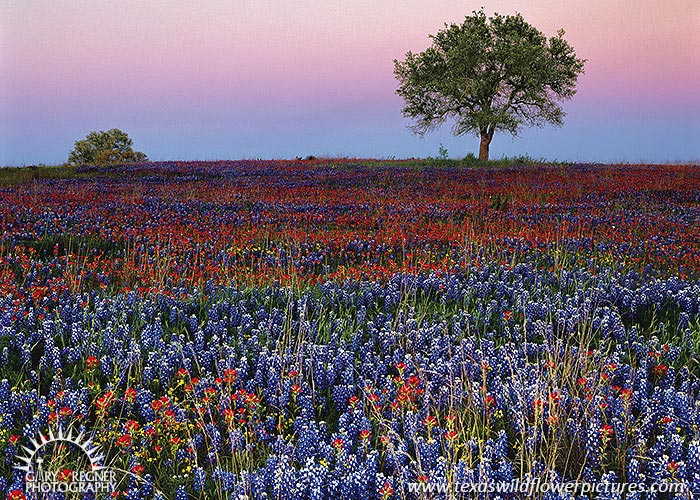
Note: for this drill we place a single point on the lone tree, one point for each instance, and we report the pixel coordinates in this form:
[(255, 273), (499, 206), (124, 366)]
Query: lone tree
[(488, 75), (105, 148)]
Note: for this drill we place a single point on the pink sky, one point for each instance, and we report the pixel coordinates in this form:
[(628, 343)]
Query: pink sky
[(182, 77)]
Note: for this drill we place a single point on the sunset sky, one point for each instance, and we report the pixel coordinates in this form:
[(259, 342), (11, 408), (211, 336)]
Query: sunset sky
[(279, 79)]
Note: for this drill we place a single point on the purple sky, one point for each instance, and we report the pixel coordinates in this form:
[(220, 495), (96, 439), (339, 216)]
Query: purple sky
[(276, 79)]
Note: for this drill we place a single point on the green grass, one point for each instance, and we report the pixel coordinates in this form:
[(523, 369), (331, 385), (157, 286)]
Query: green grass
[(21, 175), (469, 161), (10, 176)]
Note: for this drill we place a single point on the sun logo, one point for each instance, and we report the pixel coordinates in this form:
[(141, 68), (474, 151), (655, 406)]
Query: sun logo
[(39, 479), (79, 441)]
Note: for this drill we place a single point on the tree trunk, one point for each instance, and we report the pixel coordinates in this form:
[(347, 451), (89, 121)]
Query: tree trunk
[(484, 146)]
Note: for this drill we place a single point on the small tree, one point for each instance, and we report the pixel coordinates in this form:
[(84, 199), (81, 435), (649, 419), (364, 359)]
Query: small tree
[(488, 75), (105, 148)]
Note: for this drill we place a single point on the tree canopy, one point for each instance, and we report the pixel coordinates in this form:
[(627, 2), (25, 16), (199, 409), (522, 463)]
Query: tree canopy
[(488, 75), (105, 148)]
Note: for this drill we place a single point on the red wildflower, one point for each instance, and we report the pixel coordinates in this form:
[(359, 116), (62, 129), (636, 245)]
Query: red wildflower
[(660, 370), (386, 491), (91, 363), (607, 431), (65, 475), (451, 435), (230, 375), (130, 394), (105, 401), (124, 440)]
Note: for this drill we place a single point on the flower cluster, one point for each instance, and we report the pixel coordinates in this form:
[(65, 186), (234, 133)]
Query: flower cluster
[(378, 341)]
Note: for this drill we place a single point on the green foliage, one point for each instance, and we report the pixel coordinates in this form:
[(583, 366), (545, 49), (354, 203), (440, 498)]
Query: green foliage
[(20, 175), (471, 160), (488, 75), (499, 201), (112, 147)]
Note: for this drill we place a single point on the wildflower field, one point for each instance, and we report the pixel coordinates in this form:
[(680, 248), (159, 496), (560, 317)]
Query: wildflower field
[(352, 330)]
